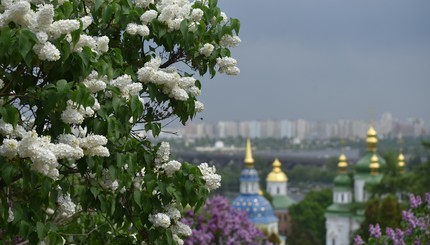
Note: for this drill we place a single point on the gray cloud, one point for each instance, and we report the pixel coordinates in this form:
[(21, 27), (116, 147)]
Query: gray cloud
[(325, 60)]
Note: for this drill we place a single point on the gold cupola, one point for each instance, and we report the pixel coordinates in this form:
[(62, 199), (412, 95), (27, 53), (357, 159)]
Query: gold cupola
[(374, 164), (249, 161), (371, 140), (277, 175), (401, 162), (343, 164)]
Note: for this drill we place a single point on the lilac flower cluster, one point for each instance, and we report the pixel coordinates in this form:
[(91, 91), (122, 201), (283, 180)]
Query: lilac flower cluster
[(219, 223), (415, 226)]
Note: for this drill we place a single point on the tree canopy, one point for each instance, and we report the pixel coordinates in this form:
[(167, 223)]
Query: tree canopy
[(84, 87)]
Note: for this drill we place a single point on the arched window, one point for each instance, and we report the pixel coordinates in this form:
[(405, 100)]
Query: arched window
[(333, 241), (277, 190)]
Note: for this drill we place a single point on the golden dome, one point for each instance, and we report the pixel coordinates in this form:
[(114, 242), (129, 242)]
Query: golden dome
[(371, 140), (343, 164), (374, 164), (260, 192), (277, 175), (401, 160), (249, 161)]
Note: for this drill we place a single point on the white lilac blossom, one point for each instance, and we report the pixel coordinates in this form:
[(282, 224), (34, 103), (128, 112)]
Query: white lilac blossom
[(229, 41), (171, 167), (148, 16), (47, 51), (144, 3), (92, 140), (181, 229), (131, 29), (107, 182), (138, 179), (5, 128), (44, 17), (213, 180), (163, 153), (65, 151), (207, 49), (227, 65), (9, 148), (160, 220), (196, 14), (93, 83), (69, 139), (172, 212), (1, 83), (71, 115), (172, 12), (178, 240), (11, 215), (86, 21), (38, 150), (61, 27), (126, 86), (66, 206), (199, 106)]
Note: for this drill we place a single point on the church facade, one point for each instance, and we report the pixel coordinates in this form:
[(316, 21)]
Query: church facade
[(343, 217)]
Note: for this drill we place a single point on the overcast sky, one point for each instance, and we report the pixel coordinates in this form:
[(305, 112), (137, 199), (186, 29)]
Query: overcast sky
[(325, 60)]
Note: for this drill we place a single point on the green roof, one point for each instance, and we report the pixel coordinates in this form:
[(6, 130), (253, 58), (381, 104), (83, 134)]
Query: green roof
[(340, 209), (363, 165), (282, 202), (343, 180)]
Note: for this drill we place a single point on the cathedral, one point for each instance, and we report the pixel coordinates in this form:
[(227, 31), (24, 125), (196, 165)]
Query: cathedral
[(270, 217), (342, 220)]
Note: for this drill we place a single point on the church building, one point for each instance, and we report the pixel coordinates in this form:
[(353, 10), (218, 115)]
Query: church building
[(350, 188)]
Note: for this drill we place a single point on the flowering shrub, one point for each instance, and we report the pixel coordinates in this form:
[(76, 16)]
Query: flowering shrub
[(219, 223), (415, 226), (82, 84)]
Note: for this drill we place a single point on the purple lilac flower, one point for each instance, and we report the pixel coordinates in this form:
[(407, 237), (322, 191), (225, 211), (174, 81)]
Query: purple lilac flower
[(428, 199), (358, 240), (414, 202), (219, 223), (400, 237), (375, 231), (390, 233), (409, 217)]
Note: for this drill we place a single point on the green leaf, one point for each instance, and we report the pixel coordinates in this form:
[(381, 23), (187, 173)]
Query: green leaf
[(136, 196), (107, 13), (8, 172), (136, 108), (26, 40), (40, 229), (67, 9), (10, 114), (98, 4)]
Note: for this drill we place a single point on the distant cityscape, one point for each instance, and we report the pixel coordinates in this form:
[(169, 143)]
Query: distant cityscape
[(387, 126)]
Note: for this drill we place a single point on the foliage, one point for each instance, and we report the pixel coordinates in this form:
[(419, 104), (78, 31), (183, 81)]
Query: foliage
[(307, 218), (414, 229), (219, 223), (386, 213), (83, 84)]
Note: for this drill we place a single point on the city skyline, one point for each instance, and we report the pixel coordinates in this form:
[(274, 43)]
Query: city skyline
[(325, 60), (386, 126)]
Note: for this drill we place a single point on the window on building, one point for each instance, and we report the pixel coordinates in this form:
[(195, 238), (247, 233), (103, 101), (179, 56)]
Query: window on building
[(277, 190), (341, 197), (333, 241)]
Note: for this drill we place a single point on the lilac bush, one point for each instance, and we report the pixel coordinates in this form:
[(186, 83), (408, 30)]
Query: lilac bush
[(220, 223), (415, 226)]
